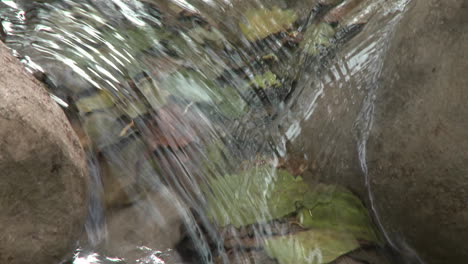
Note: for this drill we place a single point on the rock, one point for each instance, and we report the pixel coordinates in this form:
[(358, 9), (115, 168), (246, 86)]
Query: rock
[(330, 107), (417, 150), (44, 184), (411, 79), (151, 223)]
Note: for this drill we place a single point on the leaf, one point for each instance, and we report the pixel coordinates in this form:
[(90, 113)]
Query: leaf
[(196, 87), (230, 103), (191, 85), (336, 220), (314, 246), (200, 35), (133, 109), (133, 39), (98, 101), (253, 196), (153, 94), (103, 128), (333, 207), (218, 158), (206, 59), (263, 22), (317, 36)]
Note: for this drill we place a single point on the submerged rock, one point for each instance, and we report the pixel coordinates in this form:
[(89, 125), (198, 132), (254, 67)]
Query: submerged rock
[(43, 186), (151, 223)]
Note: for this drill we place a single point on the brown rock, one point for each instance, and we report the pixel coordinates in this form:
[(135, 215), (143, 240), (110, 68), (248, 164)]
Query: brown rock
[(151, 223), (416, 152), (43, 186), (332, 102), (418, 148)]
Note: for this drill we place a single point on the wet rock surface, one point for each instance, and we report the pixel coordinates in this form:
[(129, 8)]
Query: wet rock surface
[(43, 187), (417, 150), (413, 107), (154, 222)]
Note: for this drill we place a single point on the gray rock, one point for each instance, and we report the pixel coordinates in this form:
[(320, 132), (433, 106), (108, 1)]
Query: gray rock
[(44, 184), (418, 147)]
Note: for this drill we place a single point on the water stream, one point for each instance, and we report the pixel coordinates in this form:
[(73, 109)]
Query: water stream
[(188, 110)]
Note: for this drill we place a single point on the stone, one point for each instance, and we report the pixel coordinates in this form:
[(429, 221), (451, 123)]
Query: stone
[(44, 181), (418, 148), (152, 223), (331, 105), (391, 126)]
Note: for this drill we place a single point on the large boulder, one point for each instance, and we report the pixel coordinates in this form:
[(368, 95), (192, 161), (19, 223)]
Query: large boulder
[(389, 120), (43, 184), (418, 148)]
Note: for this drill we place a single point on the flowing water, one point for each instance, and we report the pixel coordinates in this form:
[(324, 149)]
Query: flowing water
[(193, 115)]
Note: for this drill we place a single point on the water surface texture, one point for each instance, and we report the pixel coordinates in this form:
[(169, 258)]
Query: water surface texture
[(195, 116)]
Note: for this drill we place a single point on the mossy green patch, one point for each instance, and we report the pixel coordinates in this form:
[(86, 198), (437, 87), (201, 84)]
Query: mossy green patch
[(191, 85)]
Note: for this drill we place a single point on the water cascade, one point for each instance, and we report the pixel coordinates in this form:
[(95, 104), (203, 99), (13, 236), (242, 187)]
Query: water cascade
[(192, 113)]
